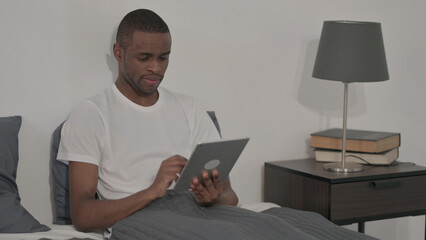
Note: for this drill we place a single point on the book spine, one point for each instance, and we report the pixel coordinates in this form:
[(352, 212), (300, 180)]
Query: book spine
[(336, 144), (385, 158)]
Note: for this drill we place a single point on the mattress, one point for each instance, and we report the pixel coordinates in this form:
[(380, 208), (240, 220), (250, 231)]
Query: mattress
[(58, 232)]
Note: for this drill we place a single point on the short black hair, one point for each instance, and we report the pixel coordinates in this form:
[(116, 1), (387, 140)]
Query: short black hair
[(139, 20)]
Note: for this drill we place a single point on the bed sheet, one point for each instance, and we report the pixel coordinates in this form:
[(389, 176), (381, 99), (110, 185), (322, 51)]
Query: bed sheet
[(62, 232), (178, 216), (57, 232)]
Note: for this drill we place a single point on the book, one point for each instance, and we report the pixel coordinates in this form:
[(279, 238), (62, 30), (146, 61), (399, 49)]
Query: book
[(384, 158), (356, 140)]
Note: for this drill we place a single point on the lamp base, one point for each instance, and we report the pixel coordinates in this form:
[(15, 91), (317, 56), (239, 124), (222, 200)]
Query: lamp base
[(337, 167)]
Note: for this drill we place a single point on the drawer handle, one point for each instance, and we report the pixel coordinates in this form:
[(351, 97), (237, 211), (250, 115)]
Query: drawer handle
[(386, 184)]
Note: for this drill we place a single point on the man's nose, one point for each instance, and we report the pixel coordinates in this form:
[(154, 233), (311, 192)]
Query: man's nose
[(155, 66)]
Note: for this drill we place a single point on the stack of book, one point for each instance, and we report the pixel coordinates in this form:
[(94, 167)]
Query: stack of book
[(365, 147)]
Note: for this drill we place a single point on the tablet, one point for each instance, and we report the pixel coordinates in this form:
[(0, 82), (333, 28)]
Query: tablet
[(220, 155)]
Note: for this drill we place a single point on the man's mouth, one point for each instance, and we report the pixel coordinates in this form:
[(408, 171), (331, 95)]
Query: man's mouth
[(152, 81)]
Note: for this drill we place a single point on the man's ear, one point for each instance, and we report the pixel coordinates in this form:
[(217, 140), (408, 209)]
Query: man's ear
[(118, 52)]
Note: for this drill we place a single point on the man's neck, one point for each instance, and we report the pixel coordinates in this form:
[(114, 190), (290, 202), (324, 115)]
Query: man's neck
[(145, 100)]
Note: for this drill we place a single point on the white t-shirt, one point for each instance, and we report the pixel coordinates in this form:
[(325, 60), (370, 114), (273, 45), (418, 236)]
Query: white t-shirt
[(128, 142)]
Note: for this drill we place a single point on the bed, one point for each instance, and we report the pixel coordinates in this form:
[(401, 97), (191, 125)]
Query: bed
[(57, 232), (175, 216)]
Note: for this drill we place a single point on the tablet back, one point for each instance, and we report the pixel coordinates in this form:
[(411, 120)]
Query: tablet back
[(220, 155)]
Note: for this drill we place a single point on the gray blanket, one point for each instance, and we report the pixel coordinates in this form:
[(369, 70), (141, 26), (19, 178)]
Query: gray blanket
[(178, 216)]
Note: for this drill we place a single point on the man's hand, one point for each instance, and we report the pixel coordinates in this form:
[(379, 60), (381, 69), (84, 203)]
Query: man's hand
[(168, 172), (208, 192)]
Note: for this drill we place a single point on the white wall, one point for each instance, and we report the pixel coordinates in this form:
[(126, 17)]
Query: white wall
[(250, 61)]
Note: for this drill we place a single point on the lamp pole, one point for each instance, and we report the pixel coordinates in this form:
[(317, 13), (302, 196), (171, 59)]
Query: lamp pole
[(344, 167), (345, 120)]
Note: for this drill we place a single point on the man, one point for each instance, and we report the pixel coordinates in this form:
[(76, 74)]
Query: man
[(129, 143)]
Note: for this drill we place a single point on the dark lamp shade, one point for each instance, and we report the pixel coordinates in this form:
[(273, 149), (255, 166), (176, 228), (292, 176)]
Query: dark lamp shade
[(351, 51)]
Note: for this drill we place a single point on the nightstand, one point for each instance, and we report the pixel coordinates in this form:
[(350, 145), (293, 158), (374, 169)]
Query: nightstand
[(378, 192)]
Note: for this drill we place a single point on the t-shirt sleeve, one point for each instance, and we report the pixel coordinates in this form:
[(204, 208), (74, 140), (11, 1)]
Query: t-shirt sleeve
[(82, 135)]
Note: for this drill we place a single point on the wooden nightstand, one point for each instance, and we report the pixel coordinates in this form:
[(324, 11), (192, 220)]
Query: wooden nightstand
[(344, 198)]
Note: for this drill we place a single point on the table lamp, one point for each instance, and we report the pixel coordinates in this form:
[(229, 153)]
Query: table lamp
[(350, 51)]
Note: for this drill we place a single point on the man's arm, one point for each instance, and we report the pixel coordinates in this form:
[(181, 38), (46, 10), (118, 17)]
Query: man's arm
[(88, 213)]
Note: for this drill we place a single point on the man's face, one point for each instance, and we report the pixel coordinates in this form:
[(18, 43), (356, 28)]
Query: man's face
[(145, 61)]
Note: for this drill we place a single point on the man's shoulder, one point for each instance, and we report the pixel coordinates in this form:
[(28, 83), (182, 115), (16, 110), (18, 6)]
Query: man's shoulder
[(100, 100), (173, 96), (92, 104), (101, 96)]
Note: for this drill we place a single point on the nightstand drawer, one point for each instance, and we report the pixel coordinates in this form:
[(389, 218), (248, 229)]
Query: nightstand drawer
[(377, 197)]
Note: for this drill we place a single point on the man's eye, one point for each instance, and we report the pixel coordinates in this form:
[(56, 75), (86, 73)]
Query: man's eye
[(163, 59)]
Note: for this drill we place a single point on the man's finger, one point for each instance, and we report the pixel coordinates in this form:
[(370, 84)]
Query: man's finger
[(216, 177)]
